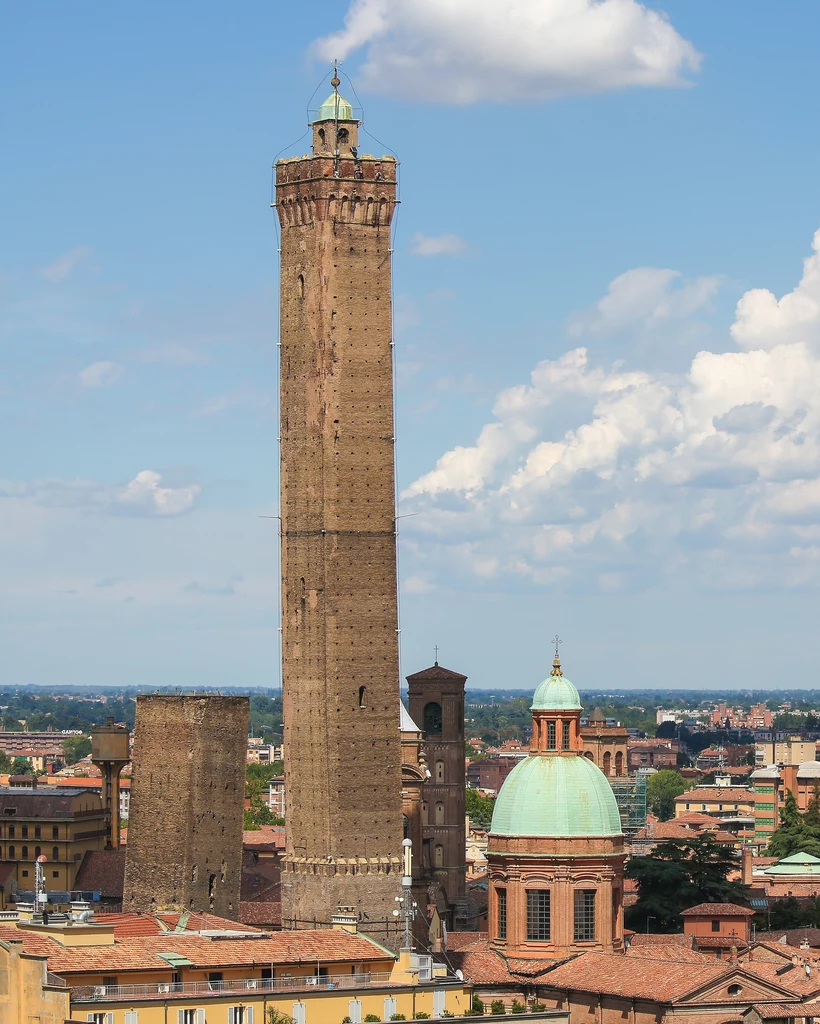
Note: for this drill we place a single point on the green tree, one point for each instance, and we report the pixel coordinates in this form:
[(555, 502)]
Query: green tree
[(796, 833), (75, 748), (20, 766), (666, 731), (479, 808), (679, 874), (661, 790), (5, 763)]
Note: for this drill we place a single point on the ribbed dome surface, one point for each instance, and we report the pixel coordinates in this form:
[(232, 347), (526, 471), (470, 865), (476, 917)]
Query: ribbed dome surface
[(556, 796), (556, 693)]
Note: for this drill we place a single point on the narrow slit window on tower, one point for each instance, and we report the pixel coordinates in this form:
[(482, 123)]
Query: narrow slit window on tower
[(300, 285), (550, 735), (565, 730), (439, 771), (362, 696)]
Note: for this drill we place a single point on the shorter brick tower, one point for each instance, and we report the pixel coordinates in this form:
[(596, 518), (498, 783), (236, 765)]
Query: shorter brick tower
[(436, 699), (184, 847)]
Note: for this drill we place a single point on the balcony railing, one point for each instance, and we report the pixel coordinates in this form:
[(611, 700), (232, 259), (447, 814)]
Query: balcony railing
[(168, 990)]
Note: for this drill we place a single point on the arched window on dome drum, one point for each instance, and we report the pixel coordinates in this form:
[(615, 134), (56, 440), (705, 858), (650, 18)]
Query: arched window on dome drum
[(432, 719), (565, 735), (550, 735), (619, 762), (607, 765)]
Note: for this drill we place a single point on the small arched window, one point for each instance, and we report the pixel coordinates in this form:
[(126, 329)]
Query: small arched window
[(24, 853), (439, 813), (362, 696), (55, 853), (300, 286), (423, 815), (11, 853), (607, 765), (439, 771), (406, 824), (37, 851), (439, 856), (343, 137), (735, 990), (619, 762)]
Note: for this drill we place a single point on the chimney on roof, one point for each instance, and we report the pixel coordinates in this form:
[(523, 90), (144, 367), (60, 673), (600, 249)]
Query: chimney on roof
[(345, 920), (746, 865)]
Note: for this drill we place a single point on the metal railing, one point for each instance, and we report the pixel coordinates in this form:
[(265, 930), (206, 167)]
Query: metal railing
[(161, 990)]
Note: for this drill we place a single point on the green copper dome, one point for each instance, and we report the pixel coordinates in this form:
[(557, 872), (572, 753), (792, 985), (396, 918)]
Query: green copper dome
[(556, 693), (556, 796), (336, 108)]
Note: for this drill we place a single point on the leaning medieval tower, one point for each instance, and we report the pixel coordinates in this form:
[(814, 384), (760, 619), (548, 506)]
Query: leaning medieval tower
[(339, 603)]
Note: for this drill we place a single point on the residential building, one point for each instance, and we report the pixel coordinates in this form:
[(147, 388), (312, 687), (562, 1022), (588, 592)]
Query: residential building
[(276, 795), (61, 823), (718, 927), (140, 969), (606, 744), (644, 754), (733, 806), (489, 774), (791, 750)]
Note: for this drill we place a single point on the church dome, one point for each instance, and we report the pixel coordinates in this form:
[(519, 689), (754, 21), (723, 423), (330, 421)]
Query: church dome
[(335, 108), (556, 796), (556, 693)]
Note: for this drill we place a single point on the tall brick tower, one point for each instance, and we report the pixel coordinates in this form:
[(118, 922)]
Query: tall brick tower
[(184, 847), (436, 699), (339, 603)]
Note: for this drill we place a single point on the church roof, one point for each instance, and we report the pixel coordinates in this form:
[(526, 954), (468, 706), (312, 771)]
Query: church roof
[(556, 796), (436, 672), (406, 723), (597, 716)]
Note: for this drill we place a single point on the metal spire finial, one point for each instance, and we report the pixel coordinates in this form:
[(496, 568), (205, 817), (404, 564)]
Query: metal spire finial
[(556, 662), (335, 81), (436, 650)]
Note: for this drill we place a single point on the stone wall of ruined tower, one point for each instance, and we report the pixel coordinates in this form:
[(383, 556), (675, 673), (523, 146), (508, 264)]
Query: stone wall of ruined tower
[(184, 846), (339, 589)]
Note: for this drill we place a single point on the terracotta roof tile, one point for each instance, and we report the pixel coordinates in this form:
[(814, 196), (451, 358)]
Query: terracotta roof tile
[(102, 871), (632, 976), (650, 939), (723, 794), (673, 951), (267, 913), (718, 910), (143, 952)]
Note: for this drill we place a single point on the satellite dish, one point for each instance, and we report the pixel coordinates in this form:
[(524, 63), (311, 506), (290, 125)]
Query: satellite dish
[(42, 859), (460, 975)]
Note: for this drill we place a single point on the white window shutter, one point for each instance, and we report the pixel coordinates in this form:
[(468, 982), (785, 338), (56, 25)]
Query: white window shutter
[(200, 1017), (439, 1004), (90, 1017), (248, 1015), (180, 1017), (231, 1015), (109, 1018)]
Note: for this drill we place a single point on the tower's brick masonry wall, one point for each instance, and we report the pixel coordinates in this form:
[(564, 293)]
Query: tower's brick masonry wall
[(185, 827), (340, 641)]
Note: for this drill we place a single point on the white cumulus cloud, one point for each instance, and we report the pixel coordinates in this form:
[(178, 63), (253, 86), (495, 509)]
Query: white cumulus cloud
[(145, 493), (100, 375), (716, 469), (463, 51), (437, 245)]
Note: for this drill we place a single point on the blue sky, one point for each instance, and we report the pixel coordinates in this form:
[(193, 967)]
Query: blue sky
[(607, 337)]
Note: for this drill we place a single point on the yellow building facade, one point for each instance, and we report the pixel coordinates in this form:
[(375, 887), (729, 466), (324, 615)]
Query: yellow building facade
[(216, 976)]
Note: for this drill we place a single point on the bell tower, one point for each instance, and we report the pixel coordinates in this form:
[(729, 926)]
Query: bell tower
[(339, 597)]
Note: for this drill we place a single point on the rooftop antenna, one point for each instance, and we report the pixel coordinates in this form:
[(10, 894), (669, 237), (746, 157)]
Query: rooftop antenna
[(436, 650)]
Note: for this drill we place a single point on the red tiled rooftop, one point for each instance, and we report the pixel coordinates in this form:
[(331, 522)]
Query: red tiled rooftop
[(717, 910), (632, 976)]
